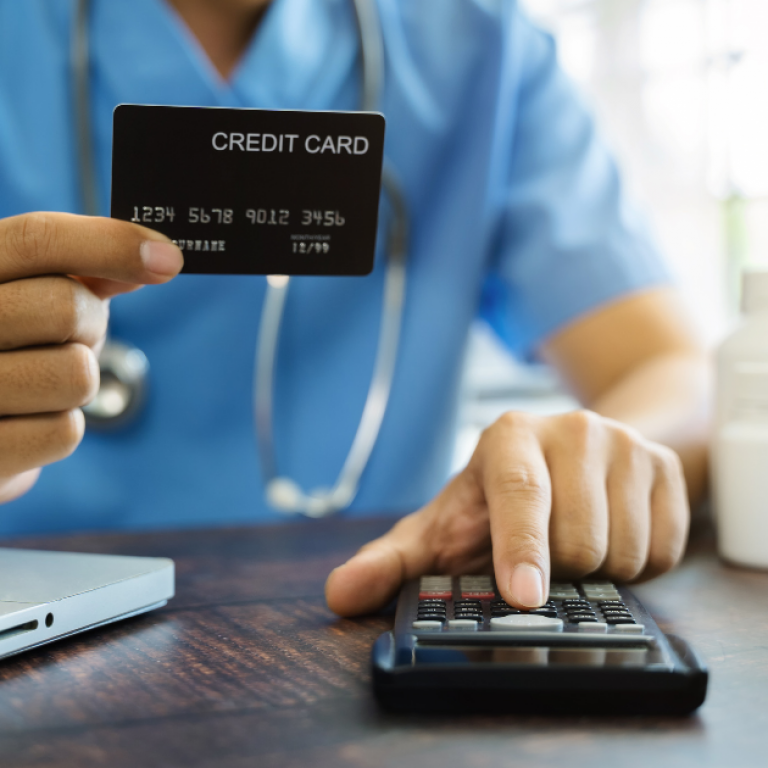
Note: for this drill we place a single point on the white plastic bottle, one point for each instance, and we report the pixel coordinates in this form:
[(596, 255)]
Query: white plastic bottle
[(740, 448)]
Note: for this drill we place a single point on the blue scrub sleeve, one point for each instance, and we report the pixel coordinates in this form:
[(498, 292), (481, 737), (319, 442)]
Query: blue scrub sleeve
[(566, 238)]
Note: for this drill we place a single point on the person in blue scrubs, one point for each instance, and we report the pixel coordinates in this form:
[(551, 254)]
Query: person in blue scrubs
[(517, 215)]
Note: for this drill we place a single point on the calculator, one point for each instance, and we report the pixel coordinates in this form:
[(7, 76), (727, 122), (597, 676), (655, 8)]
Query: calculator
[(457, 646)]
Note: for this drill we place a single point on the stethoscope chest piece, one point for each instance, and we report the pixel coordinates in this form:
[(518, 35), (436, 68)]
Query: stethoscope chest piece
[(124, 373)]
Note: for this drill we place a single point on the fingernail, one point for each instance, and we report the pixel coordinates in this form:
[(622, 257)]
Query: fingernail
[(527, 586), (161, 258)]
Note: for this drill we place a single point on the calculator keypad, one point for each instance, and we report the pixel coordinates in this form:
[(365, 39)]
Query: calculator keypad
[(473, 603)]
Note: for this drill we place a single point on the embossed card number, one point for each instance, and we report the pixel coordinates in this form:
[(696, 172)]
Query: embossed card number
[(249, 191)]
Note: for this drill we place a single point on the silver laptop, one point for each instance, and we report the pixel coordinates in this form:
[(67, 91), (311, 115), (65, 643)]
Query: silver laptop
[(45, 596)]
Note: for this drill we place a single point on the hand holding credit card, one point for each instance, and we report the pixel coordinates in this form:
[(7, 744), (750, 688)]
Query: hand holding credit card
[(249, 191)]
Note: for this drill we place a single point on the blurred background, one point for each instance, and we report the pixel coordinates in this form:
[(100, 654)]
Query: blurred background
[(680, 88)]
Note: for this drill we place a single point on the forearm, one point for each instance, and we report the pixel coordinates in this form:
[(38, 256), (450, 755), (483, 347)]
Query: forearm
[(668, 399)]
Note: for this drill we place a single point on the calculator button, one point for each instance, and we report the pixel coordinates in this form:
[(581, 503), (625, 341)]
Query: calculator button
[(596, 627), (479, 587), (619, 620), (579, 617), (576, 602), (431, 617), (526, 622), (435, 582), (611, 603), (602, 595), (427, 625), (435, 587), (629, 629), (462, 624), (476, 584), (544, 612), (618, 614)]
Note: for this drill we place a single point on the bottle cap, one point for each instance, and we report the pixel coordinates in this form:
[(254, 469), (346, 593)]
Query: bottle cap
[(754, 291)]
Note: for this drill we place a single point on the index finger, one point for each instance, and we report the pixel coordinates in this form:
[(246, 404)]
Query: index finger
[(60, 243), (518, 492)]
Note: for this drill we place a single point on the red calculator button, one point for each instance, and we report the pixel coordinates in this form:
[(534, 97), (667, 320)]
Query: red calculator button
[(435, 595)]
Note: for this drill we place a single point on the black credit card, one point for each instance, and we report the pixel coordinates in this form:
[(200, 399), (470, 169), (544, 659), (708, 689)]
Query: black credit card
[(252, 191)]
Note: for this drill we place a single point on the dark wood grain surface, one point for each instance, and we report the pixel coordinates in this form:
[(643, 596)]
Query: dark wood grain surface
[(247, 667)]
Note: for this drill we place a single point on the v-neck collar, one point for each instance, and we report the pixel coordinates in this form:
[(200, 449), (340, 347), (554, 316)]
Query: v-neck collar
[(301, 56)]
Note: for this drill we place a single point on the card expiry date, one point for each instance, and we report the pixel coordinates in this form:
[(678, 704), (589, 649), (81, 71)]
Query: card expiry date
[(252, 191)]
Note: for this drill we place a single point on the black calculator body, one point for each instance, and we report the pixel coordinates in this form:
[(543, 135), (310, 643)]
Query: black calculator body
[(593, 648)]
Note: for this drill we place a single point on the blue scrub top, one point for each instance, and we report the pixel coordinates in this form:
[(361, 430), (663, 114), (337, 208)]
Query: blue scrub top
[(517, 214)]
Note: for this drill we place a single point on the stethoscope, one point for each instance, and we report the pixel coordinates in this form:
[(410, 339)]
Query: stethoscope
[(125, 369)]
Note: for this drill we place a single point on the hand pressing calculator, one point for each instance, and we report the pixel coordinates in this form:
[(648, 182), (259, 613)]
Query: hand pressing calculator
[(458, 646)]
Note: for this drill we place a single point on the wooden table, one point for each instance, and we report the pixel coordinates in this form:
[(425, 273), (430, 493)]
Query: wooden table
[(247, 667)]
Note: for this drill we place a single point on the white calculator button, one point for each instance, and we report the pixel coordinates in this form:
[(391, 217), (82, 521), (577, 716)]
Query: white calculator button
[(629, 629), (597, 627), (526, 622), (469, 624), (427, 624)]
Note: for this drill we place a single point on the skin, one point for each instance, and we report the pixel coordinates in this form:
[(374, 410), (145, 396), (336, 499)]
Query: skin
[(223, 28), (590, 492), (605, 490), (57, 274)]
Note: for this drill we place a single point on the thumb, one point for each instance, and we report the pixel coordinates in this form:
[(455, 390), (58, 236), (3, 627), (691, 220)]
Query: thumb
[(372, 577)]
